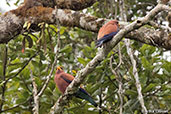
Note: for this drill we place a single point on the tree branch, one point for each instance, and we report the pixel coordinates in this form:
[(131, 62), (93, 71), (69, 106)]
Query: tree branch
[(36, 98), (15, 106), (54, 63), (119, 80), (48, 77), (74, 4), (22, 67), (102, 52), (11, 25), (135, 73)]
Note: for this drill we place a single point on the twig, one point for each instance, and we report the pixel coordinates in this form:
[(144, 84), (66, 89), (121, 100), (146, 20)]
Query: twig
[(135, 73), (119, 80), (120, 57), (100, 100), (22, 67), (112, 81), (6, 81), (102, 52), (54, 63), (156, 25), (15, 106), (36, 98), (49, 76), (37, 94), (111, 95), (116, 8)]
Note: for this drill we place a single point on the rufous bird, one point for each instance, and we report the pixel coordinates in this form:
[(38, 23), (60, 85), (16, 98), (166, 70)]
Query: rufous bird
[(107, 32), (62, 81)]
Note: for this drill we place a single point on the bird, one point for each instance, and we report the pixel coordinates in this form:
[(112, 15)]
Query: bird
[(63, 80), (106, 32)]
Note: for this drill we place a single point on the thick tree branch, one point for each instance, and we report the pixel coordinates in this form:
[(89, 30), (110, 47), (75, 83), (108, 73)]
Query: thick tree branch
[(67, 4), (11, 25), (158, 38), (102, 52), (74, 4)]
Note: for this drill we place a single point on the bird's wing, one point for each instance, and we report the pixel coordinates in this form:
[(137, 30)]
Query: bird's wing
[(68, 78), (108, 36), (107, 29), (105, 38)]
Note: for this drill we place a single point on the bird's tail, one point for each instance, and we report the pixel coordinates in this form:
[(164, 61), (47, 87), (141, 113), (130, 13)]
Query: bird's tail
[(90, 99), (102, 40), (81, 93), (99, 43)]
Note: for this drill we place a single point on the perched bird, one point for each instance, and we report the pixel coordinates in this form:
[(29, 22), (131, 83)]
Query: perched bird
[(107, 32), (62, 81)]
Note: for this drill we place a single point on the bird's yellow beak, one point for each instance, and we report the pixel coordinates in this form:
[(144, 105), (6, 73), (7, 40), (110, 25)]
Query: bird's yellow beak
[(58, 68)]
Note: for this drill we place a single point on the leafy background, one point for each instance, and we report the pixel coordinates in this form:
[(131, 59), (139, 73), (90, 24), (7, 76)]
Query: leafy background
[(77, 48)]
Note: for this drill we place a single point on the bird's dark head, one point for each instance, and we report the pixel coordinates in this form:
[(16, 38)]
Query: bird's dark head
[(114, 22), (59, 69)]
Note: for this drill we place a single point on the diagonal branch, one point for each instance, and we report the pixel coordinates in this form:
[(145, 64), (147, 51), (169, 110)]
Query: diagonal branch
[(36, 94), (22, 67), (54, 63), (48, 77), (102, 52), (15, 106), (6, 81)]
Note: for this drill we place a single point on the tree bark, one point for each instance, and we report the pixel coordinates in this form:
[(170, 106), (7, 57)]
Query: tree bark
[(11, 26)]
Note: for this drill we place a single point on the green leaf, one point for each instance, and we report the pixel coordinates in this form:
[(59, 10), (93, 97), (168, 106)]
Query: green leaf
[(131, 92), (62, 30), (82, 61), (145, 62), (149, 87), (66, 49), (93, 45)]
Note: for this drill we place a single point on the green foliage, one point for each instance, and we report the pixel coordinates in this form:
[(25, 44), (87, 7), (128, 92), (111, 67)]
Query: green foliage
[(77, 48)]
